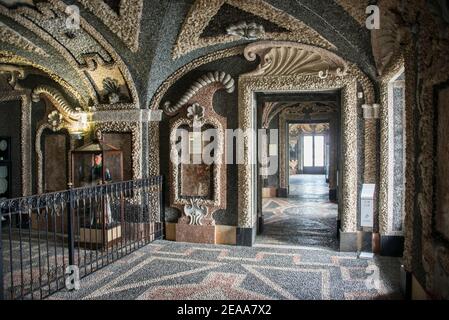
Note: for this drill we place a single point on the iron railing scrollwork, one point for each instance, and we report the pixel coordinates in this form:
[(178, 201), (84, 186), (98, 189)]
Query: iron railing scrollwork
[(87, 228)]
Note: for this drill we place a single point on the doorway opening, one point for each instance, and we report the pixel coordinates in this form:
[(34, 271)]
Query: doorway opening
[(305, 214)]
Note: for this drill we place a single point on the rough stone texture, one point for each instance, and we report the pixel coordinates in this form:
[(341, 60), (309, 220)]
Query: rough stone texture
[(398, 132)]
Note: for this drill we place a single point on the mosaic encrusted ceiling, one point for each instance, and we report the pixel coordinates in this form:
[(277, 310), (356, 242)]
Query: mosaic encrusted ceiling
[(230, 15), (122, 17), (201, 27), (356, 8), (92, 58), (114, 5)]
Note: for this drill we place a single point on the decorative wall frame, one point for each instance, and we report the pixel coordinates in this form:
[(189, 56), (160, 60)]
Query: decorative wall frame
[(153, 129), (385, 216), (346, 81), (135, 129), (40, 156), (198, 211)]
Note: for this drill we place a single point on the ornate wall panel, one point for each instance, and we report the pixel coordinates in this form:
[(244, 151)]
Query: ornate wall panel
[(135, 129), (153, 132), (40, 156), (385, 219), (426, 54), (200, 113)]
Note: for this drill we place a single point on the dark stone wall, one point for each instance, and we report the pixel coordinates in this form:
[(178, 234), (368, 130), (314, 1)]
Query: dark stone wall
[(10, 127)]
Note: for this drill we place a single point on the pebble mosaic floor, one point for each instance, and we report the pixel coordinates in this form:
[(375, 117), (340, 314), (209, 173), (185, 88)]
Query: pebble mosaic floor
[(295, 259), (170, 270)]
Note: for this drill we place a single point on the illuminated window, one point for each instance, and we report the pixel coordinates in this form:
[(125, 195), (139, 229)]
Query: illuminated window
[(313, 150)]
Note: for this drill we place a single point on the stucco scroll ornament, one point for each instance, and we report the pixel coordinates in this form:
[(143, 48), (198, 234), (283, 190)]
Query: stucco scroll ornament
[(207, 79), (14, 73), (290, 58), (58, 101), (249, 31), (195, 211)]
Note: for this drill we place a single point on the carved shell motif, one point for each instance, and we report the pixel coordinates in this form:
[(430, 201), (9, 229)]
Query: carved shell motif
[(207, 79), (248, 31), (287, 58)]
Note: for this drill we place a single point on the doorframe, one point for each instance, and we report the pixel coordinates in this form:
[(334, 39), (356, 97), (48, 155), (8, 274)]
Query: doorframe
[(277, 74), (248, 87)]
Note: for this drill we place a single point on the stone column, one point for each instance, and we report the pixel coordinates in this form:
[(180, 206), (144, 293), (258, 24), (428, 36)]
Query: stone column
[(371, 115)]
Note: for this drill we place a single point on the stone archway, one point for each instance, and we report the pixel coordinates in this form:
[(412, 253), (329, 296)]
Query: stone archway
[(287, 66)]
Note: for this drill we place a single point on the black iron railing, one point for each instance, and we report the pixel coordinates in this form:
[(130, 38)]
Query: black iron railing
[(49, 241)]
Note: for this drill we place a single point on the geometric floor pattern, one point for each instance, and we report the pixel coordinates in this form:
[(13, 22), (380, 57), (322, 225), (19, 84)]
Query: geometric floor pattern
[(167, 270), (295, 259), (306, 218)]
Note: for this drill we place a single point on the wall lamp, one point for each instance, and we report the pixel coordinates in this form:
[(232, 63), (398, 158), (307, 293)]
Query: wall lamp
[(82, 125)]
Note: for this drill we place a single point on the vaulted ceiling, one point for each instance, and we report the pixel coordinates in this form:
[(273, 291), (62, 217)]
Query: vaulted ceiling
[(138, 44)]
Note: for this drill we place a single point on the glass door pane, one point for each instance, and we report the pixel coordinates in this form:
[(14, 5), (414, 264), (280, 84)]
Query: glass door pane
[(319, 151), (308, 151)]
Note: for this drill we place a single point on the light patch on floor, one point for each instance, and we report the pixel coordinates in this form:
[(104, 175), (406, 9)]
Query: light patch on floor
[(306, 218)]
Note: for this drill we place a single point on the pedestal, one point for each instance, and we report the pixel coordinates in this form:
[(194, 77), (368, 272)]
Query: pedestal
[(94, 238), (195, 234)]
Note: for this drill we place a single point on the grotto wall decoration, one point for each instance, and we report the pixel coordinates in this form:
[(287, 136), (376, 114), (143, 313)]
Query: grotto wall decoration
[(197, 188)]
